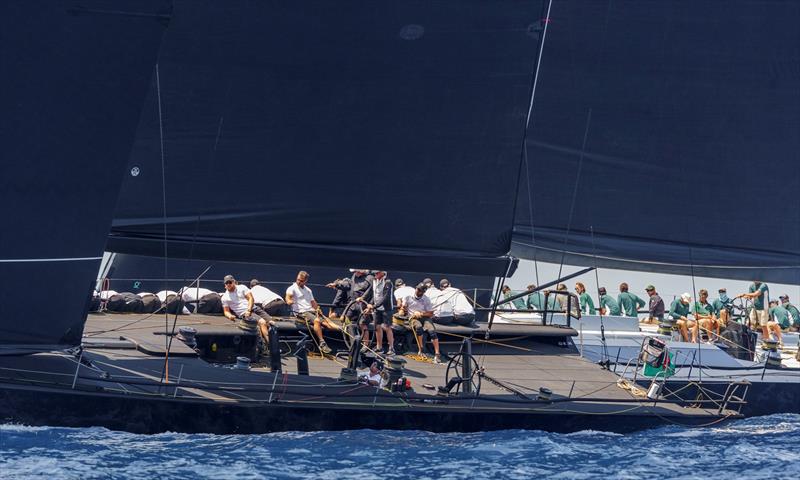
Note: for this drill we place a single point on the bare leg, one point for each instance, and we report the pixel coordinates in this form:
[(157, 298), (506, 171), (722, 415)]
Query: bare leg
[(682, 328), (263, 327), (389, 336), (318, 330), (765, 332), (378, 338), (435, 342)]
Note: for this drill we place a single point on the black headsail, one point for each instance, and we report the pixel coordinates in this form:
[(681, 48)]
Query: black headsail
[(74, 77), (692, 157), (330, 133)]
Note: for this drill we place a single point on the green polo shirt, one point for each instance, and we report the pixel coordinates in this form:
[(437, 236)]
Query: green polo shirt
[(678, 309), (721, 303), (535, 301), (519, 303), (780, 315), (630, 303), (703, 308), (587, 304), (794, 312), (758, 302), (608, 302)]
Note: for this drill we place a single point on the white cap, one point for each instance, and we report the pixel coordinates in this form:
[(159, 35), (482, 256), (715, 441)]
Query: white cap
[(686, 297)]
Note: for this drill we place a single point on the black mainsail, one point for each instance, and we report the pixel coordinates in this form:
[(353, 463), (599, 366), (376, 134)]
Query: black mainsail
[(74, 78)]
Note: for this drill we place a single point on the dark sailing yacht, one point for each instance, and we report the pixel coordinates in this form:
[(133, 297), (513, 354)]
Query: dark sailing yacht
[(356, 135)]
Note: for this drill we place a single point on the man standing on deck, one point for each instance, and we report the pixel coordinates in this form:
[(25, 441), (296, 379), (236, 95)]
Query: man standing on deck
[(238, 304), (419, 310), (586, 302), (355, 288), (629, 303), (793, 311), (379, 304), (722, 306), (306, 310), (655, 308), (608, 305), (759, 315)]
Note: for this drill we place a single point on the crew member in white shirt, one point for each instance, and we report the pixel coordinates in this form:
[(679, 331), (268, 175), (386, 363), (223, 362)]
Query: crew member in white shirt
[(442, 306), (419, 310), (238, 304), (463, 312), (306, 310), (401, 291), (270, 301)]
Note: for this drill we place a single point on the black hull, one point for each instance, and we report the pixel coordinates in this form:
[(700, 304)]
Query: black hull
[(70, 408), (763, 398)]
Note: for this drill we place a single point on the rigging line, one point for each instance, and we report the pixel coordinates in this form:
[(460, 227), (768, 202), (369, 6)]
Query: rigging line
[(575, 190), (524, 153), (597, 281), (696, 319), (171, 335), (163, 191), (530, 214)]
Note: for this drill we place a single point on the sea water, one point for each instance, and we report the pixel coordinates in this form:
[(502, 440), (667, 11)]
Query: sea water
[(763, 447)]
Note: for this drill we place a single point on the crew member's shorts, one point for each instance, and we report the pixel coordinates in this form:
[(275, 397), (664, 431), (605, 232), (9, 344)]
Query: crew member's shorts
[(381, 317), (250, 324), (425, 324), (759, 317), (448, 320), (305, 319)]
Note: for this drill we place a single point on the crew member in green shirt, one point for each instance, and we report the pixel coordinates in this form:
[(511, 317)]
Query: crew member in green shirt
[(608, 305), (629, 303), (722, 306), (779, 318), (519, 304), (587, 304), (704, 314), (759, 315), (793, 311), (536, 300), (679, 311)]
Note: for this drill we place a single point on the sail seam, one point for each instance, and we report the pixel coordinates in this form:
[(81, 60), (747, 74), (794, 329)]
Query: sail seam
[(64, 259)]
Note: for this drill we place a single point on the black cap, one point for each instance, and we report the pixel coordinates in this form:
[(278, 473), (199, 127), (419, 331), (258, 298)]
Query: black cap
[(228, 278), (723, 289), (444, 283), (602, 290), (399, 283), (428, 281), (254, 282), (422, 286)]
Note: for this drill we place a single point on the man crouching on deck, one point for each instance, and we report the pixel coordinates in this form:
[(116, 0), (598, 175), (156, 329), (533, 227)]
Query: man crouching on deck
[(419, 309), (238, 304)]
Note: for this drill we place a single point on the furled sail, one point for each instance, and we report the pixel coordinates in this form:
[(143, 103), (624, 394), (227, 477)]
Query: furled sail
[(676, 126), (330, 133), (74, 78)]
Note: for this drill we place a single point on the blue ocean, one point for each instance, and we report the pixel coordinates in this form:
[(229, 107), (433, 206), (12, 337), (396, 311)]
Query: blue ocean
[(764, 447)]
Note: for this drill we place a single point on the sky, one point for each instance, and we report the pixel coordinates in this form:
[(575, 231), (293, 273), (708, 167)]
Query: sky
[(668, 286)]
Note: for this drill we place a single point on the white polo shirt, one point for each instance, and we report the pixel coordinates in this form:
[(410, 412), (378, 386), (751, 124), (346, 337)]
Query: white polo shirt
[(302, 298), (401, 293), (192, 294), (263, 295), (459, 301), (414, 304), (236, 300)]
